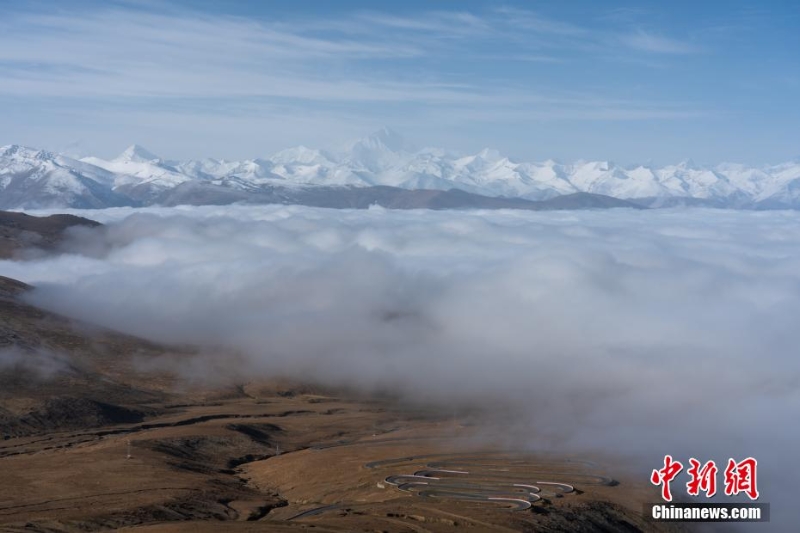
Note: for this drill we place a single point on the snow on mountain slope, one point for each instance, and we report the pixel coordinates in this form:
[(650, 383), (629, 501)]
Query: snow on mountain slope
[(136, 162), (140, 174), (687, 179), (244, 175), (603, 177), (31, 177), (305, 166), (137, 154), (383, 149), (301, 155), (783, 187)]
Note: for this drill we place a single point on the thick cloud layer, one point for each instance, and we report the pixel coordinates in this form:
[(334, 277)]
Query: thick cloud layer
[(643, 333)]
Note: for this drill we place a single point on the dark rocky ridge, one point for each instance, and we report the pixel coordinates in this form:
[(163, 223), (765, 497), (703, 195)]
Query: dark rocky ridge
[(56, 373), (19, 231)]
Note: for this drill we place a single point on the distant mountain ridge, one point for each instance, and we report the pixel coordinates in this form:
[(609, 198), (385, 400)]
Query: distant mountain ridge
[(31, 178)]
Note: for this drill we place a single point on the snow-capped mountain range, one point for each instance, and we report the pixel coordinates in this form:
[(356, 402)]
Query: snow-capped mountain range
[(31, 178)]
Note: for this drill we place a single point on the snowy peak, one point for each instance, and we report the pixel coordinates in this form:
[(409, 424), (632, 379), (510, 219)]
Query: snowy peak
[(299, 155), (139, 169), (385, 158), (383, 148), (24, 153), (384, 139), (688, 164), (31, 178), (490, 154), (136, 154), (9, 150)]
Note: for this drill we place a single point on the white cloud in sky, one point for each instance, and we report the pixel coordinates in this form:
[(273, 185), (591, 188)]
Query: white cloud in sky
[(255, 78), (649, 42)]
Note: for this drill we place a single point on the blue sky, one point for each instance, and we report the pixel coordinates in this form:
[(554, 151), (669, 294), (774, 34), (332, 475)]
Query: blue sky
[(627, 81)]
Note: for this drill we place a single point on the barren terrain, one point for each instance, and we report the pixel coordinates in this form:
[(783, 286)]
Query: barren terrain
[(97, 443), (98, 432)]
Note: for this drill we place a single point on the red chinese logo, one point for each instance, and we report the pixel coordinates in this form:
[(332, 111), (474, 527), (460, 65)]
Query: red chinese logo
[(741, 477), (703, 478), (665, 476)]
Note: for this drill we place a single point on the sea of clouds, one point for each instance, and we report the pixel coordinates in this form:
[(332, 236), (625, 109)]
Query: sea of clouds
[(636, 332)]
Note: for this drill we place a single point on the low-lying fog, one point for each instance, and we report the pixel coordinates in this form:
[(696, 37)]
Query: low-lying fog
[(644, 333)]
